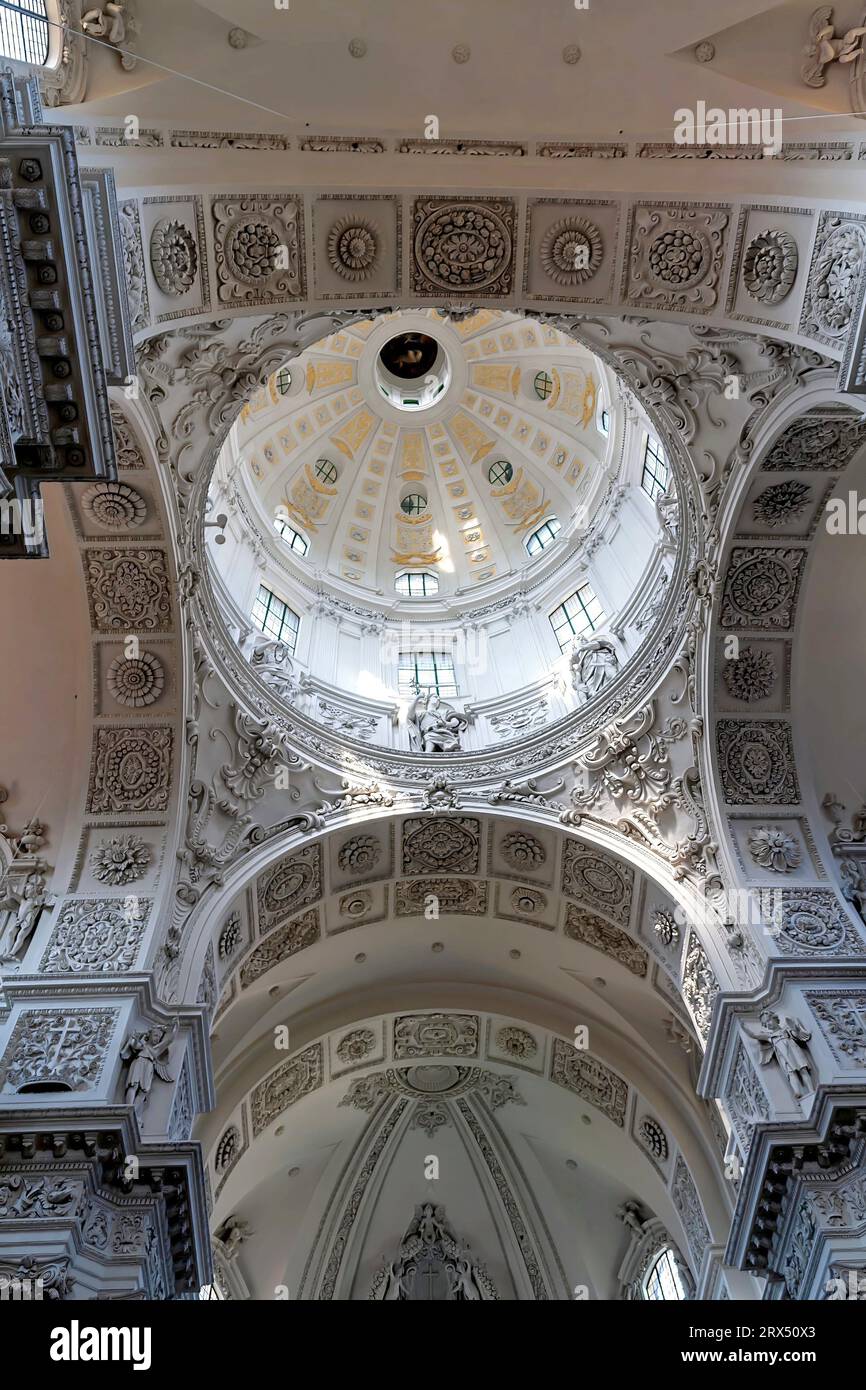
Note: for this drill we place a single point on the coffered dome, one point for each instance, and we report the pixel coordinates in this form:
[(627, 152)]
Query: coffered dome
[(415, 445)]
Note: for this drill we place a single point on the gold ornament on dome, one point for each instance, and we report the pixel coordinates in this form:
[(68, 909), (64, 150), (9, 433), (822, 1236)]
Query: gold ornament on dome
[(432, 558)]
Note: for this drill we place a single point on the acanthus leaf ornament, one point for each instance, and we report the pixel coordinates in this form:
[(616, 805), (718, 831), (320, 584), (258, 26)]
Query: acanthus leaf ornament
[(260, 750), (121, 859), (826, 47), (773, 848), (630, 761)]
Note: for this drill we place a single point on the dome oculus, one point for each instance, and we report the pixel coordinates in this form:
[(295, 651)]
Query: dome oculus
[(409, 355)]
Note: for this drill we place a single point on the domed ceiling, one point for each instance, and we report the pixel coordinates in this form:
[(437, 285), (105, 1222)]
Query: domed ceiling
[(441, 454)]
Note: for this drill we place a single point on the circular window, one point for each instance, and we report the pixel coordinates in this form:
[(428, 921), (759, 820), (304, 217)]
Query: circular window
[(284, 381), (500, 472), (326, 472), (414, 504), (543, 384)]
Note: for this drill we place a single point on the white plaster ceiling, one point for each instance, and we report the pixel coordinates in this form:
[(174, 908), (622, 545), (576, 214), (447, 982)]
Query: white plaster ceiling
[(471, 531), (297, 72)]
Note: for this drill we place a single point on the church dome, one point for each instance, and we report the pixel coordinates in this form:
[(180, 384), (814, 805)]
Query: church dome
[(470, 509), (414, 453)]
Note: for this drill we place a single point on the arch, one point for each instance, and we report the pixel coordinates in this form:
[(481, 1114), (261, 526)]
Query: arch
[(433, 1068)]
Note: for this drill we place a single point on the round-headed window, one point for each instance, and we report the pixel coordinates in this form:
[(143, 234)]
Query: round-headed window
[(416, 585), (293, 539), (24, 32)]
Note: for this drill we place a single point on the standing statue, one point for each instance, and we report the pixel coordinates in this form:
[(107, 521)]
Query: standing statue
[(630, 1215), (781, 1039), (232, 1234), (22, 911), (146, 1053), (434, 727), (593, 664)]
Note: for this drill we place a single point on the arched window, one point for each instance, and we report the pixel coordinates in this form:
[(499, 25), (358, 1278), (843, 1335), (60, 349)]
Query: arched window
[(654, 479), (25, 35), (577, 617), (427, 673), (293, 539), (275, 618), (603, 420), (419, 585), (663, 1281), (544, 536)]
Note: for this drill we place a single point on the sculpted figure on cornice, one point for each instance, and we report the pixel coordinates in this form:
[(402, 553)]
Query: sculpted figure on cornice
[(848, 845), (23, 879), (273, 663), (19, 914), (434, 726), (783, 1041), (146, 1054), (593, 663)]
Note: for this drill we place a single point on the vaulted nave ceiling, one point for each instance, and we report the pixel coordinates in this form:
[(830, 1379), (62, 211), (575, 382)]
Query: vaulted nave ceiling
[(312, 68), (511, 437)]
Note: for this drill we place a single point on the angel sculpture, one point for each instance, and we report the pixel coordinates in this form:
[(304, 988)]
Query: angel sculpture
[(22, 911), (781, 1040), (434, 727), (593, 664), (146, 1053), (232, 1235), (825, 48)]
